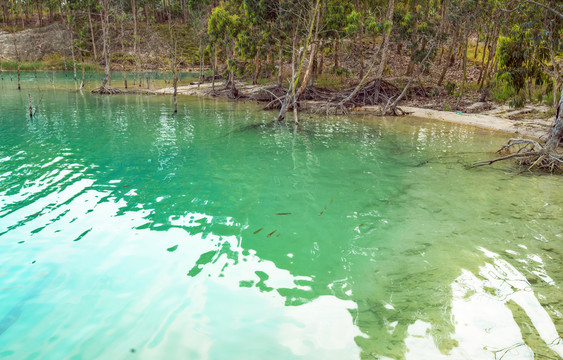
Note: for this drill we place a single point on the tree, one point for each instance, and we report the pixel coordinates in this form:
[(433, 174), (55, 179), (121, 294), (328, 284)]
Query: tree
[(223, 27)]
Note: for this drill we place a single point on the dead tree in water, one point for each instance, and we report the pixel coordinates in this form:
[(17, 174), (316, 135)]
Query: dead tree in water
[(173, 62), (30, 106), (105, 32), (292, 96)]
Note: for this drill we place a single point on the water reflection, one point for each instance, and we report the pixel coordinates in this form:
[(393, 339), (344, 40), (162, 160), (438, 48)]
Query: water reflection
[(194, 234)]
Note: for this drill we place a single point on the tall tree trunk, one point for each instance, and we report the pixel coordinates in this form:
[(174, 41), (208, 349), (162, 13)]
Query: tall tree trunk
[(175, 85), (200, 80), (40, 12), (463, 80), (92, 34), (491, 60), (336, 54), (82, 81), (383, 62), (214, 66), (289, 98), (280, 64), (134, 9), (256, 67), (105, 26), (450, 59), (72, 52), (122, 31), (320, 68), (482, 67), (556, 134), (555, 69)]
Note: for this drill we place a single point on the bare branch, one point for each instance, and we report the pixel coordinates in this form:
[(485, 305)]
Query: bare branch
[(530, 2)]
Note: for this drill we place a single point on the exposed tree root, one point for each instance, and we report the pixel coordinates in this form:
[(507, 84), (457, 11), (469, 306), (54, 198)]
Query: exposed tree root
[(107, 90), (528, 153), (343, 101)]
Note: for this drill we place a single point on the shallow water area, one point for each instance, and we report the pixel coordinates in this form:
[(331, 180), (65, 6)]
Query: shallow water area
[(129, 232)]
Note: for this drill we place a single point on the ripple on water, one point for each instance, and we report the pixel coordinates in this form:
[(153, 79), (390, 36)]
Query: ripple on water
[(128, 231)]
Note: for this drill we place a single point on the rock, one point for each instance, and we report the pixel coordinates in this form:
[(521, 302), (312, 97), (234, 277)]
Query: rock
[(33, 44), (478, 107)]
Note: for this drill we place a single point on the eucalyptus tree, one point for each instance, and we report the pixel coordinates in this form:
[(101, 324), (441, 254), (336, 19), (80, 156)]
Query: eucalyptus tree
[(335, 21), (254, 37), (388, 26), (527, 50), (224, 25)]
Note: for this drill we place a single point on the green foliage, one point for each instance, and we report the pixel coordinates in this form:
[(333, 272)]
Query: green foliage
[(517, 102), (450, 87), (121, 58), (511, 55), (337, 16), (501, 90)]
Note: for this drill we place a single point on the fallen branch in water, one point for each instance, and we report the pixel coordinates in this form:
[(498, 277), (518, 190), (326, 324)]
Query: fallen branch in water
[(528, 153), (531, 154)]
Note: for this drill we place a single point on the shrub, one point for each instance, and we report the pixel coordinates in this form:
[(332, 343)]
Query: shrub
[(517, 102), (450, 87), (501, 90)]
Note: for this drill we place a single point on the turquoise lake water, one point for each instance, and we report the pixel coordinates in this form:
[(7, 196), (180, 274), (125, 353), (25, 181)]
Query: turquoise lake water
[(127, 232)]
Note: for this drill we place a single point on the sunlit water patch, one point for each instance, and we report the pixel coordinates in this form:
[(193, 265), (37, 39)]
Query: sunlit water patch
[(130, 232)]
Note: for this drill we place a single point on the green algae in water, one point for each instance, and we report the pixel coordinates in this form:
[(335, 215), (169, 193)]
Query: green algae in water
[(415, 255)]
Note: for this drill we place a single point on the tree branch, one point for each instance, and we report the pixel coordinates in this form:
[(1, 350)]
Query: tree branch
[(531, 2)]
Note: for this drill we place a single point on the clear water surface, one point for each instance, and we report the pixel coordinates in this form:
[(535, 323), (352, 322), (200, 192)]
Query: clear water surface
[(127, 232)]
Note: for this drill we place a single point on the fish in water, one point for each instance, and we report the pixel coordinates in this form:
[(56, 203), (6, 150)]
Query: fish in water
[(321, 213), (278, 235), (257, 231), (272, 233), (125, 186), (283, 213)]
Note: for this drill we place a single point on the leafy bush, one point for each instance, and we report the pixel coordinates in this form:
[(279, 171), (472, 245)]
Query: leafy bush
[(501, 90), (517, 102), (450, 87)]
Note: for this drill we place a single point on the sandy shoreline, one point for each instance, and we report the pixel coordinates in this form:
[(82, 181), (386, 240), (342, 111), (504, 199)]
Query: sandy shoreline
[(530, 128)]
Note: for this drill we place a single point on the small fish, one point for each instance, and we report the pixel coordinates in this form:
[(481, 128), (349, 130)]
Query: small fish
[(125, 186), (272, 233), (321, 213), (325, 207), (278, 235), (283, 213), (331, 201), (257, 231)]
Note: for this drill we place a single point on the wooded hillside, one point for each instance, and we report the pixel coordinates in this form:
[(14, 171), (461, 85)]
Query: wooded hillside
[(510, 48)]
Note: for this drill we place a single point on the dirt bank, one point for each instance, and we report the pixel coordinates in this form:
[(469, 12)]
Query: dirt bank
[(34, 44)]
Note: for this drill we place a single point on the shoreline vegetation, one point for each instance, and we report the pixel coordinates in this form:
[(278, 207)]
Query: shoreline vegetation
[(445, 60)]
